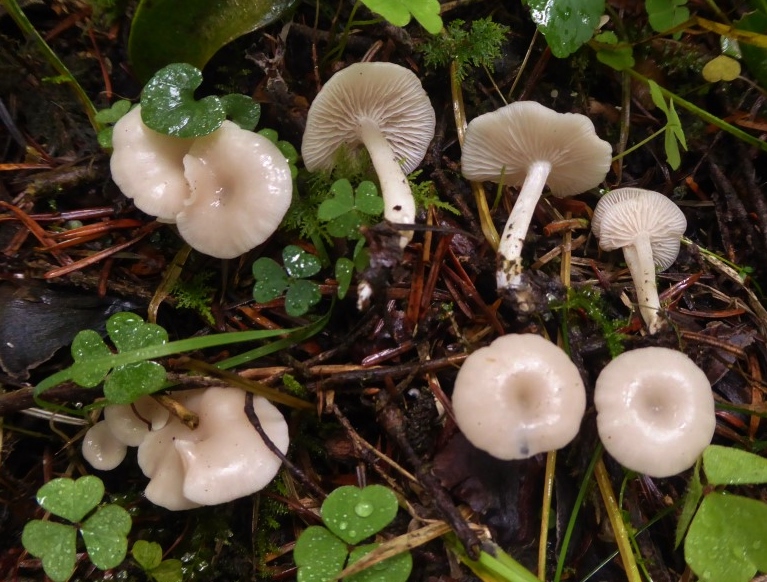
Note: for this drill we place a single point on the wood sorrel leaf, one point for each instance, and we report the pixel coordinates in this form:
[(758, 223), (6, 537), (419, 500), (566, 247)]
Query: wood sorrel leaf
[(241, 109), (299, 263), (129, 382), (566, 24), (354, 514), (729, 466), (271, 280), (128, 332), (54, 544), (147, 554), (398, 12), (319, 555), (71, 499), (341, 202), (301, 295), (105, 534), (394, 569), (88, 346), (727, 539)]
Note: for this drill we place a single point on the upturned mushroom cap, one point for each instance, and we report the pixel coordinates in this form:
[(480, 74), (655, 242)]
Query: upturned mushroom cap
[(624, 213), (241, 189), (222, 459), (385, 93), (518, 397), (147, 167), (655, 411), (504, 144)]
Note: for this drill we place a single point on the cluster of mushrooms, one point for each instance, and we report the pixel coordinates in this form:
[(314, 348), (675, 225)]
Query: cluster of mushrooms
[(227, 193), (222, 459)]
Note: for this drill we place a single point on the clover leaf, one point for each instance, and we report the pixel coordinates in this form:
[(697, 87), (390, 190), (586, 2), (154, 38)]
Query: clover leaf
[(168, 105), (348, 209), (351, 514), (729, 466), (109, 117), (613, 53), (104, 532), (148, 555), (398, 12), (285, 147), (128, 382), (272, 280), (664, 15)]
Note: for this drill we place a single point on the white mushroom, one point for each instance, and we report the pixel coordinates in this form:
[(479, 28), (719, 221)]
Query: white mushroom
[(655, 411), (102, 449), (147, 167), (383, 107), (527, 144), (240, 190), (223, 459), (648, 227), (518, 397)]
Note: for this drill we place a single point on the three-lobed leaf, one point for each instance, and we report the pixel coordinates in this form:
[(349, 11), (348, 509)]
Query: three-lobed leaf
[(354, 514), (664, 15), (105, 535), (71, 499), (319, 555), (148, 555), (54, 544), (394, 569), (399, 12), (347, 210)]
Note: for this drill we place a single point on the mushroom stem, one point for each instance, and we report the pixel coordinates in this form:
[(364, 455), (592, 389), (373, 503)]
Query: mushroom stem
[(639, 260), (513, 237), (399, 204)]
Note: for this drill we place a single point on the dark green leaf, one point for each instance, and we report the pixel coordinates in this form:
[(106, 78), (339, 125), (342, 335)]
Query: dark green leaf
[(287, 150), (666, 14), (730, 466), (754, 57), (566, 24), (354, 514), (690, 505), (319, 555), (341, 202), (71, 499), (727, 539), (367, 199), (299, 263), (271, 280), (344, 272), (241, 109), (168, 571), (168, 105), (105, 535), (147, 554), (394, 569), (129, 382), (164, 31), (301, 295), (612, 53), (345, 226), (54, 544)]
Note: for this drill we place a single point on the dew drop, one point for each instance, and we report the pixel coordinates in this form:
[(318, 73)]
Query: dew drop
[(364, 509), (343, 525), (352, 533)]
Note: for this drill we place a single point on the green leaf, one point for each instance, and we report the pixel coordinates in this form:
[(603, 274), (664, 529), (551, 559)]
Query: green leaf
[(129, 382), (354, 514), (147, 554), (566, 24), (367, 199), (730, 466), (105, 535), (657, 96), (299, 263), (164, 31), (271, 280), (754, 57), (88, 346), (398, 12), (345, 226), (319, 555), (128, 331), (690, 505), (394, 569), (168, 105), (341, 202), (71, 499), (617, 55), (301, 295), (666, 14), (54, 544), (114, 113), (727, 539), (168, 571), (673, 131), (241, 109), (286, 149), (344, 271)]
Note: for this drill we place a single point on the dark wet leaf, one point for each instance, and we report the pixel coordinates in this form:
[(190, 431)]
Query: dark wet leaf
[(354, 514), (566, 24)]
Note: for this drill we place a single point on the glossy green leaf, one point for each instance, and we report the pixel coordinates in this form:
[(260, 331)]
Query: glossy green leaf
[(271, 280), (727, 540), (88, 346), (147, 554), (128, 331), (566, 24), (299, 263), (105, 535), (344, 271), (242, 110), (69, 498), (54, 544), (301, 295), (319, 555), (666, 14), (730, 466), (168, 105), (164, 31), (354, 514), (399, 12), (394, 569), (129, 382), (754, 57)]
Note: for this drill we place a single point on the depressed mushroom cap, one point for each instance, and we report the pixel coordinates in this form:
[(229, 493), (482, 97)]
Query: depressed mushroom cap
[(102, 449), (386, 93), (241, 189), (622, 214), (503, 144), (655, 411), (518, 397), (147, 167), (131, 429)]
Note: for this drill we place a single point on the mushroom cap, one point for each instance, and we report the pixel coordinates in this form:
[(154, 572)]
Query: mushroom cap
[(655, 411), (518, 397), (102, 449), (388, 94), (622, 214), (131, 429), (147, 167), (241, 189), (223, 459), (507, 141)]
